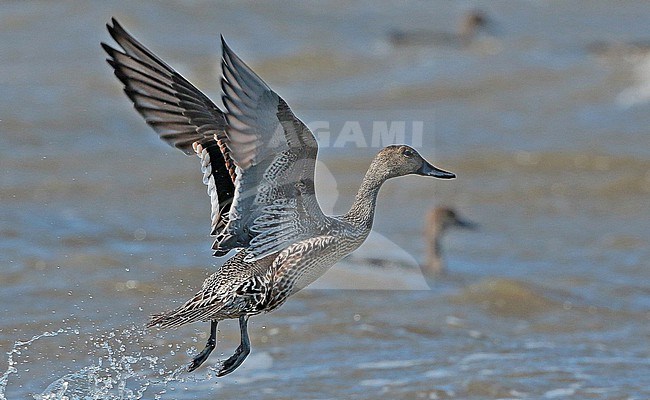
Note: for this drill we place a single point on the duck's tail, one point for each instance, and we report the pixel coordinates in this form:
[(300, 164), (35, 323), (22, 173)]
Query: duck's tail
[(169, 319), (193, 310)]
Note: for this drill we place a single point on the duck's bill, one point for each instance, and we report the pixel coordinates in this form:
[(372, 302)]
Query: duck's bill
[(429, 170), (465, 224)]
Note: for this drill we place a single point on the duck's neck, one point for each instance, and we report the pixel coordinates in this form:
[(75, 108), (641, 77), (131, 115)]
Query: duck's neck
[(362, 212), (434, 264)]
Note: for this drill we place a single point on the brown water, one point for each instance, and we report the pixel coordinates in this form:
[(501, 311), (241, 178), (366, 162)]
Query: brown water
[(102, 225)]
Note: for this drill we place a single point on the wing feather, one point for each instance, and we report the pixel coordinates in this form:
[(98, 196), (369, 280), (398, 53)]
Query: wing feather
[(180, 114), (257, 159), (274, 203)]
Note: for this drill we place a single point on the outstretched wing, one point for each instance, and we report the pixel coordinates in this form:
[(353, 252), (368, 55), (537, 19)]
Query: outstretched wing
[(274, 203), (181, 115)]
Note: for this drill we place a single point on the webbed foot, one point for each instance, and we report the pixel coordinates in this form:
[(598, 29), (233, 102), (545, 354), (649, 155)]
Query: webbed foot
[(234, 361), (202, 356), (241, 352)]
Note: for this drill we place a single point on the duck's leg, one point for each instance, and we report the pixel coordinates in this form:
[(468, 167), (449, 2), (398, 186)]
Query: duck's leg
[(202, 356), (242, 351)]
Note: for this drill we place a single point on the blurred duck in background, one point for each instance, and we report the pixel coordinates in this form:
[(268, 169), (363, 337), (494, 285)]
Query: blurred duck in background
[(470, 26), (438, 220)]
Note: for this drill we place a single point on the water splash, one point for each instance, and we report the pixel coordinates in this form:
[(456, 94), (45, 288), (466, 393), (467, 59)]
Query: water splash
[(120, 372), (17, 350)]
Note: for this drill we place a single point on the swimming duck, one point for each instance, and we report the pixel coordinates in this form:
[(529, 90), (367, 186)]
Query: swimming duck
[(470, 25), (437, 222)]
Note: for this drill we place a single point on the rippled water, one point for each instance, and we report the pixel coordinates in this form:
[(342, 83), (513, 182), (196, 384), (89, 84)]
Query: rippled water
[(544, 118)]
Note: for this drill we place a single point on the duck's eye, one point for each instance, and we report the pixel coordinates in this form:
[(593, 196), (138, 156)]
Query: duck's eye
[(408, 153)]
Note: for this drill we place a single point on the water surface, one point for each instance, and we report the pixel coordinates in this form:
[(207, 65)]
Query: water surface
[(102, 224)]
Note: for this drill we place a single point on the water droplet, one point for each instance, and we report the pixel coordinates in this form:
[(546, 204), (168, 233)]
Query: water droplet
[(131, 284), (139, 234)]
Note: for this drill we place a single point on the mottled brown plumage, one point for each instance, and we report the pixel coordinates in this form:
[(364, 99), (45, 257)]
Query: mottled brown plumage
[(258, 162)]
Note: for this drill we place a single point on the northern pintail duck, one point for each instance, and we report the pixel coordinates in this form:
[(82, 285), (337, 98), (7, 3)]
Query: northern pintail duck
[(469, 26), (437, 221), (620, 50), (258, 162)]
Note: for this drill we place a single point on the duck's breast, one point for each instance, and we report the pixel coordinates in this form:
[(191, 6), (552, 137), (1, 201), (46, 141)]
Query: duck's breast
[(302, 263)]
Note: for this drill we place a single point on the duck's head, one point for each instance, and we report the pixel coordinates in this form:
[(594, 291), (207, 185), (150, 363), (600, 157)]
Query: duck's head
[(441, 218), (400, 160)]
